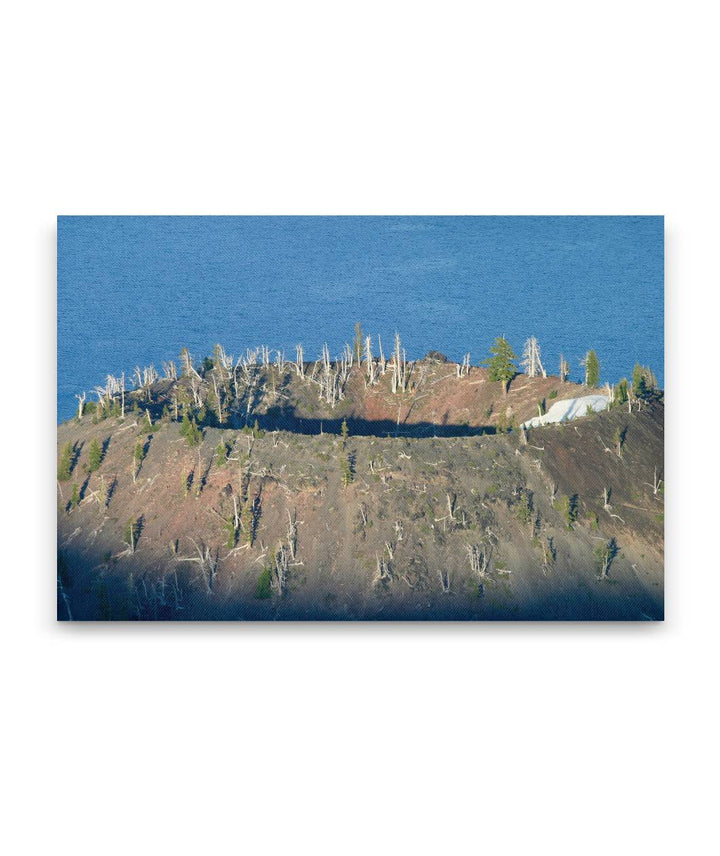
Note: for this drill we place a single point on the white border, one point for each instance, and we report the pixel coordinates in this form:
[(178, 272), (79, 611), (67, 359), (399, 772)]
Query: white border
[(358, 739)]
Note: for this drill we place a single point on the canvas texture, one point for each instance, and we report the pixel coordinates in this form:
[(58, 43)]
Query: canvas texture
[(360, 418)]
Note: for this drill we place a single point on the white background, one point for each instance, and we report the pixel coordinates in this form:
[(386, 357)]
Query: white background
[(358, 739)]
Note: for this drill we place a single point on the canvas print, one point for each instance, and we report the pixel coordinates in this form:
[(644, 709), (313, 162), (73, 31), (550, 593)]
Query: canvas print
[(360, 418)]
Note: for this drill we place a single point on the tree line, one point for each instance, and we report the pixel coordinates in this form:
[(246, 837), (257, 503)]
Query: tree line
[(220, 386)]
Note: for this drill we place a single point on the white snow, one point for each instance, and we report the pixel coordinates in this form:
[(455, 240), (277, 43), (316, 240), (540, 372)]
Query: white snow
[(570, 408)]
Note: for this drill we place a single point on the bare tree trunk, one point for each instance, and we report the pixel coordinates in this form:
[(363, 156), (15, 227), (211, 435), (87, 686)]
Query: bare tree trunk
[(369, 362), (292, 534), (531, 361), (281, 571), (564, 369), (656, 482), (444, 580)]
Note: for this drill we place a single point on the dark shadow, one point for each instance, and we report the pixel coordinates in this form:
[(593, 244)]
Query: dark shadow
[(284, 419), (75, 455)]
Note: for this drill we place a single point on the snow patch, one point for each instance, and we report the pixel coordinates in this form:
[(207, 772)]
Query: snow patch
[(570, 408)]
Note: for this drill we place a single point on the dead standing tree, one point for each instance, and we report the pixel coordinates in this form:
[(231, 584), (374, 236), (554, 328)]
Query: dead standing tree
[(656, 483), (382, 362), (145, 379), (399, 367), (463, 369), (564, 369), (531, 361), (606, 499), (444, 580), (122, 395), (607, 507), (383, 572), (605, 554), (369, 362), (81, 403), (280, 571), (207, 562), (332, 377), (187, 366), (479, 556), (292, 534), (549, 555), (299, 361)]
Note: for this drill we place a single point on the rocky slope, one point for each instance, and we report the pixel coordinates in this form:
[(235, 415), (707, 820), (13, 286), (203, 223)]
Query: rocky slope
[(450, 522)]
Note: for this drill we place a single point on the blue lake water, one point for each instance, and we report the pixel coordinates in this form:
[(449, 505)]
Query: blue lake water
[(135, 290)]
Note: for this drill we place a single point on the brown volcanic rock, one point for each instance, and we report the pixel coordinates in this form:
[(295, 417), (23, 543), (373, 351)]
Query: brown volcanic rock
[(395, 509)]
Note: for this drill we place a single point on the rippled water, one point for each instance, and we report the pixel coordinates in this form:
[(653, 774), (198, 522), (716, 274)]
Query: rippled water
[(137, 289)]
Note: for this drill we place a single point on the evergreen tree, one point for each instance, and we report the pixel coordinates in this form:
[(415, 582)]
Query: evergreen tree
[(346, 470), (138, 457), (344, 431), (643, 381), (638, 381), (190, 431), (592, 369), (500, 363), (232, 532), (569, 509), (263, 589), (525, 507), (221, 453), (75, 498), (65, 464), (621, 392), (95, 456)]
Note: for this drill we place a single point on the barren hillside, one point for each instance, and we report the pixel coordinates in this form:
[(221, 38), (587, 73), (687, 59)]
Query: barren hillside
[(421, 512)]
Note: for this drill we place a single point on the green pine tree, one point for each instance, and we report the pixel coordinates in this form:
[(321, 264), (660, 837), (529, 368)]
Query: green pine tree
[(65, 464), (221, 453), (500, 362), (346, 470), (232, 532), (344, 431), (75, 497), (620, 396), (569, 509), (643, 381), (190, 431), (592, 369), (95, 456), (263, 589)]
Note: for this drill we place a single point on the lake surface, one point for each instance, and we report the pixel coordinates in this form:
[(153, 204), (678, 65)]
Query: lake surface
[(135, 290)]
